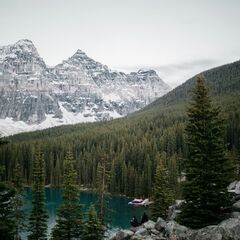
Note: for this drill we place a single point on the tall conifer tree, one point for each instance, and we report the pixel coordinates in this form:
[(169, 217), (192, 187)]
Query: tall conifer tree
[(162, 193), (18, 212), (38, 217), (208, 171), (7, 194), (69, 216), (93, 226), (102, 182), (7, 221)]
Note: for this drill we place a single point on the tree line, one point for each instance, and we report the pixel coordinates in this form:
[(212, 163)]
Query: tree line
[(202, 154), (132, 147)]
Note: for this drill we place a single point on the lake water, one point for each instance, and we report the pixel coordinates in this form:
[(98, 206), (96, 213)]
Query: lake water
[(120, 216)]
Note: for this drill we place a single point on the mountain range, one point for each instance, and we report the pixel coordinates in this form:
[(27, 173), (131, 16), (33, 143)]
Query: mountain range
[(80, 89)]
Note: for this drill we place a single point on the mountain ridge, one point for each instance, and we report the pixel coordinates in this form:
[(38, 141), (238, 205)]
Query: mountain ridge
[(80, 89), (169, 104), (217, 79)]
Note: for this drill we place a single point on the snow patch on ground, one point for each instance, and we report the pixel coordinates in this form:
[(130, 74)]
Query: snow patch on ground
[(10, 127)]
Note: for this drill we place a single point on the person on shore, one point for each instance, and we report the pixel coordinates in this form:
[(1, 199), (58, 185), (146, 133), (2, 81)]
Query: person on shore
[(144, 218), (134, 222)]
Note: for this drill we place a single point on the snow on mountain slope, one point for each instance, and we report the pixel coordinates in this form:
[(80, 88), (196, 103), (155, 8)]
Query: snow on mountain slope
[(34, 96), (9, 126)]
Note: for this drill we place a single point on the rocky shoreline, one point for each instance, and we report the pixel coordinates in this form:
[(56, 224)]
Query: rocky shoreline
[(228, 229), (162, 230)]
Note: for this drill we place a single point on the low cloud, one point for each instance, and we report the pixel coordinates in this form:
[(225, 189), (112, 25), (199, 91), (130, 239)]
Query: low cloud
[(176, 74)]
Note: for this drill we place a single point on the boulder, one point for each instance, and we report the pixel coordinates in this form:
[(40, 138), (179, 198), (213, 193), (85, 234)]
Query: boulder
[(123, 235), (236, 206), (174, 210), (149, 224), (155, 231), (134, 229), (230, 228), (179, 203), (207, 233), (137, 237), (142, 231), (160, 224), (140, 237), (176, 231), (235, 214), (236, 197), (226, 230), (234, 187)]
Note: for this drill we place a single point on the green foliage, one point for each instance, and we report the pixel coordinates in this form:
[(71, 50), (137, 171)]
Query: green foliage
[(38, 217), (92, 227), (208, 171), (18, 213), (7, 196), (7, 221), (162, 192), (69, 216), (102, 183)]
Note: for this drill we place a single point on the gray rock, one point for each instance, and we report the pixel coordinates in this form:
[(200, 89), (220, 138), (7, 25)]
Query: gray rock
[(174, 210), (160, 224), (139, 237), (236, 206), (123, 235), (176, 231), (236, 197), (149, 224), (230, 228), (155, 231), (207, 233), (235, 214), (226, 230), (142, 231), (234, 187)]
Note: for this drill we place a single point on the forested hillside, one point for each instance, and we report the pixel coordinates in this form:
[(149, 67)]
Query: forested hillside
[(132, 145), (221, 80)]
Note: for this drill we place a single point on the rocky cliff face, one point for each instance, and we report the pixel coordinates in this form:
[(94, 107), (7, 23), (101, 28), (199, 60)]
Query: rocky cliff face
[(79, 89)]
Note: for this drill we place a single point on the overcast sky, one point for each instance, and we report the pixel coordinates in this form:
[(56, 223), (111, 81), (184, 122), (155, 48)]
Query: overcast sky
[(177, 38)]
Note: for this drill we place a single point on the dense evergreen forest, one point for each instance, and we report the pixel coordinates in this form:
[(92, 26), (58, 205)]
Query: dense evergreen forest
[(131, 145)]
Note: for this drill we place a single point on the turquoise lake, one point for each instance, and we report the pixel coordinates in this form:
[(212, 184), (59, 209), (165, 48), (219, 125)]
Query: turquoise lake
[(120, 216)]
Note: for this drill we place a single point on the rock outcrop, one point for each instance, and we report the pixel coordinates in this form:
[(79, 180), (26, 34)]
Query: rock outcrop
[(227, 230)]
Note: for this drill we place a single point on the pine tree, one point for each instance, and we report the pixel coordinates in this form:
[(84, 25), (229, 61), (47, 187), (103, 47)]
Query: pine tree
[(103, 181), (38, 217), (93, 227), (69, 216), (7, 195), (208, 171), (162, 194), (18, 212), (7, 221)]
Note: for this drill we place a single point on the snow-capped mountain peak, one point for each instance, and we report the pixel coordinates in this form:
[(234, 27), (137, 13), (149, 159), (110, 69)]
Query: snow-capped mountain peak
[(25, 42), (23, 46), (79, 89), (79, 52)]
